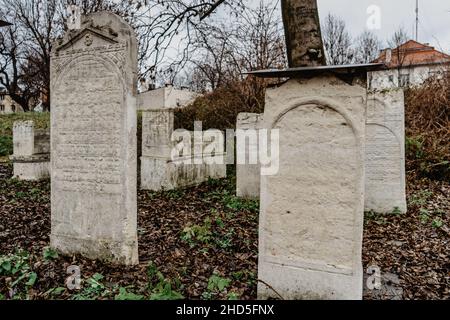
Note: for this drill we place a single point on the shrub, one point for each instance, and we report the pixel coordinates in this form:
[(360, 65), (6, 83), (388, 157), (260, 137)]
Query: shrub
[(219, 109), (6, 146), (428, 128)]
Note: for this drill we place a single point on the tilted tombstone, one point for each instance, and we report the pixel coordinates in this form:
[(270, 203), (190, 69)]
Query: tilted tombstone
[(385, 152), (93, 140), (311, 220)]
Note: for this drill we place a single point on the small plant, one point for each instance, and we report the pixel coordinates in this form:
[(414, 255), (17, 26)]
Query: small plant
[(233, 296), (238, 275), (161, 288), (55, 292), (437, 223), (217, 283), (175, 194), (414, 147), (375, 217), (226, 241), (396, 211), (163, 291), (17, 266), (196, 233), (237, 204), (216, 286), (93, 290), (124, 295), (424, 216), (50, 254), (420, 198)]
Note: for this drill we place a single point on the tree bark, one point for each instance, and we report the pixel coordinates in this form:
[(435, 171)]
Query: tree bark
[(303, 35)]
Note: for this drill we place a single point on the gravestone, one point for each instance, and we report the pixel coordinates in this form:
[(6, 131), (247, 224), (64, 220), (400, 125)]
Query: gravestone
[(31, 158), (93, 140), (157, 128), (248, 175), (159, 171), (385, 152), (311, 220)]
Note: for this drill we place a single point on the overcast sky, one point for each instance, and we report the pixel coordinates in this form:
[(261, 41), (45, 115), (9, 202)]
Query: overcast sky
[(434, 26)]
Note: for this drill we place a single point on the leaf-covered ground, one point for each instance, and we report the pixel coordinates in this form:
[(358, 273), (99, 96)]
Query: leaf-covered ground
[(412, 250), (201, 243)]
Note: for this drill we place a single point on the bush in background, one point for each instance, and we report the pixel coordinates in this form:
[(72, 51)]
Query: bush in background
[(219, 109), (428, 128), (6, 146)]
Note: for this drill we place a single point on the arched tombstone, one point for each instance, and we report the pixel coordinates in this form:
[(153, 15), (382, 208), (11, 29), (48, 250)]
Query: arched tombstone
[(93, 140), (311, 221)]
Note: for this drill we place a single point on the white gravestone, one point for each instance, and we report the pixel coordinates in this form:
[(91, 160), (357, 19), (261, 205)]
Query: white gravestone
[(311, 221), (93, 141), (158, 170), (248, 175), (385, 152), (31, 158)]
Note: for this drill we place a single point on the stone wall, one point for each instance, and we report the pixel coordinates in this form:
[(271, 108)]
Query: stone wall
[(31, 158), (404, 77), (158, 171)]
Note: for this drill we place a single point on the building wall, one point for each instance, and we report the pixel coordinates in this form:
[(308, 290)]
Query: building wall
[(7, 105), (405, 77), (165, 98)]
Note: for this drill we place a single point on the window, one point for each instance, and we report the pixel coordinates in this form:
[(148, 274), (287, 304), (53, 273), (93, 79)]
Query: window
[(2, 107), (404, 80), (13, 108), (2, 97)]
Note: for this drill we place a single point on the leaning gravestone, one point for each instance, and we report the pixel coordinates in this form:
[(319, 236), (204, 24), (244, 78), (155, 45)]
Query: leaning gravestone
[(312, 210), (93, 140)]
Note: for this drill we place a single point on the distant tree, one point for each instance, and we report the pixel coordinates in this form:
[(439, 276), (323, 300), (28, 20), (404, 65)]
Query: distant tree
[(367, 47), (399, 37), (223, 52), (25, 48), (337, 41)]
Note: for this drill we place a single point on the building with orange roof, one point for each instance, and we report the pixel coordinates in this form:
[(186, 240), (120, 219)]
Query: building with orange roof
[(410, 64)]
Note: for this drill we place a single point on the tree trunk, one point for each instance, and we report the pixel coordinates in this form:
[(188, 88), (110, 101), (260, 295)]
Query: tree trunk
[(303, 35)]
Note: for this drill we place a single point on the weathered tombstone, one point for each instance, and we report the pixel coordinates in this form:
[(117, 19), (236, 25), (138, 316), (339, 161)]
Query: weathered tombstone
[(248, 175), (385, 152), (159, 171), (311, 220), (93, 140), (157, 128), (31, 158)]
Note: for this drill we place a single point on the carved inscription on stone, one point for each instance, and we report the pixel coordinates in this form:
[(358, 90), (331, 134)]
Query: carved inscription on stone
[(93, 141), (89, 122), (385, 154)]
